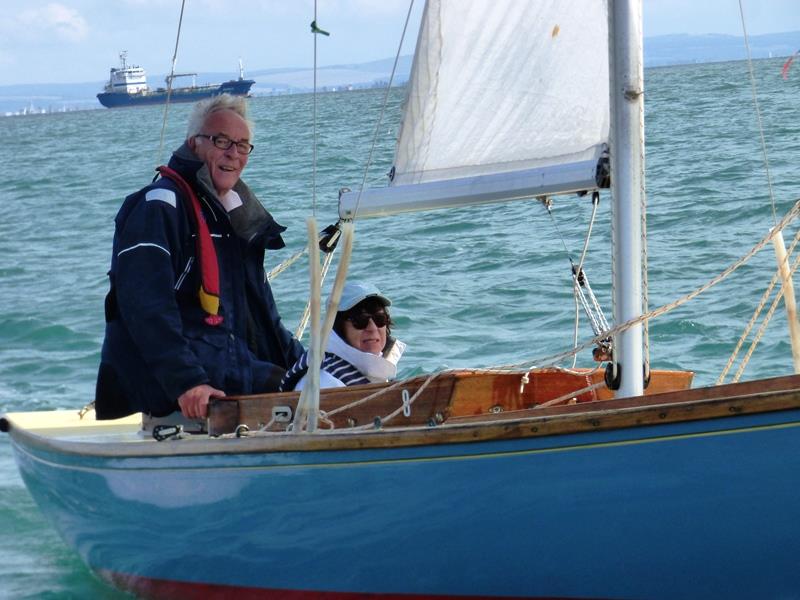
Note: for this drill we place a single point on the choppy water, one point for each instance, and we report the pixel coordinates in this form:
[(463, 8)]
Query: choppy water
[(471, 287)]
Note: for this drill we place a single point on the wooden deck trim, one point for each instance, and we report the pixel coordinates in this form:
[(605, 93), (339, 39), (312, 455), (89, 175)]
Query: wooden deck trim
[(702, 403), (225, 414)]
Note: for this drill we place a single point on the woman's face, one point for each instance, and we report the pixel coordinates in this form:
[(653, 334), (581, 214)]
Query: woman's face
[(371, 338)]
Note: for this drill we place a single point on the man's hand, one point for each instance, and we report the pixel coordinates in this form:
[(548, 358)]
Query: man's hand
[(194, 401)]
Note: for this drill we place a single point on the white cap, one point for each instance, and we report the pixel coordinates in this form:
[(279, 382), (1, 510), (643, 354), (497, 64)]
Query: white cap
[(356, 291)]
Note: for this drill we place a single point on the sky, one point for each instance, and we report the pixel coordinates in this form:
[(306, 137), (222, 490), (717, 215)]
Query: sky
[(75, 41)]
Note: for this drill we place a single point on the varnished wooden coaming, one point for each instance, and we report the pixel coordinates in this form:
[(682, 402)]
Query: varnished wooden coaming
[(449, 396), (433, 406), (718, 402)]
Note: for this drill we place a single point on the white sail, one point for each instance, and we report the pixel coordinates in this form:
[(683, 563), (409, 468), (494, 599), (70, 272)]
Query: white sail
[(515, 87)]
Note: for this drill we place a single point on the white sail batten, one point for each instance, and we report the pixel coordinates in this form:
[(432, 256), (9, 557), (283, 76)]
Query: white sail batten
[(506, 87)]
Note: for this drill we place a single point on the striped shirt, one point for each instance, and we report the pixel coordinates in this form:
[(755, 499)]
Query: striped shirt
[(334, 365)]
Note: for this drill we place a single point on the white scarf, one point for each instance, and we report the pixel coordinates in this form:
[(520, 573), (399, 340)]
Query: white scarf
[(375, 367)]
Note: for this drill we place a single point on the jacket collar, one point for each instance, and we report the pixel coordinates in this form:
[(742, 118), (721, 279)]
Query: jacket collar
[(251, 221)]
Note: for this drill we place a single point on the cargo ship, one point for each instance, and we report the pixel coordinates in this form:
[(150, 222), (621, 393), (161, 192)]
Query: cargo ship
[(127, 86)]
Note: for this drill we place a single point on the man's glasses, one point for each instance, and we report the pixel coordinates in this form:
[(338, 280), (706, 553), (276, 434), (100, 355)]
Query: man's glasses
[(223, 142), (361, 320)]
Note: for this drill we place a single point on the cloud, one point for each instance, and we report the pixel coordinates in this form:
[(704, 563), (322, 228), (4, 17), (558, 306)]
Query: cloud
[(55, 19)]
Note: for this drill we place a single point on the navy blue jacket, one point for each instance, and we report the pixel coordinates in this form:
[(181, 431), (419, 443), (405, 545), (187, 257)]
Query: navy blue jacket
[(157, 344)]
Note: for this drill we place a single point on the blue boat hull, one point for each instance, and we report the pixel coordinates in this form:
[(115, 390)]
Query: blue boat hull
[(240, 87), (706, 508)]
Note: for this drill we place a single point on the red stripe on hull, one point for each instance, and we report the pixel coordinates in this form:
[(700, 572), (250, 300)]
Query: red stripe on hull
[(165, 589)]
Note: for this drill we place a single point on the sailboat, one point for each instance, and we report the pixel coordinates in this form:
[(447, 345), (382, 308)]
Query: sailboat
[(528, 482)]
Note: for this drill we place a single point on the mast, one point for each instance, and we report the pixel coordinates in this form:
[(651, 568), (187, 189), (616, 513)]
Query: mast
[(627, 185)]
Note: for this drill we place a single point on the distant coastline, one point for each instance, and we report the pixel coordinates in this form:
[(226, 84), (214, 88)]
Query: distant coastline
[(659, 51)]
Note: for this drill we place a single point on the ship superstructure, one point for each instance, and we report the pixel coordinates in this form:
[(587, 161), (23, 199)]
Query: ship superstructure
[(127, 86)]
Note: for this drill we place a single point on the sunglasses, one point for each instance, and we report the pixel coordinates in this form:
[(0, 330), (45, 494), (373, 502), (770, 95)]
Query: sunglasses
[(361, 320)]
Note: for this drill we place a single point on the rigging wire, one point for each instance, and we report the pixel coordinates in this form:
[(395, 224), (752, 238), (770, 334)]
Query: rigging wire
[(314, 31), (754, 89), (170, 79), (583, 294), (383, 110), (314, 119), (792, 214)]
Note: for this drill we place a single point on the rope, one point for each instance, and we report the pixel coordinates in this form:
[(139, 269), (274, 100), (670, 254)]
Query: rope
[(570, 395), (433, 376), (301, 327), (405, 405), (366, 399), (380, 392), (595, 204), (169, 85), (286, 264), (590, 305), (575, 335), (645, 288), (754, 90), (597, 322), (764, 297), (550, 360), (763, 327), (580, 281), (762, 303)]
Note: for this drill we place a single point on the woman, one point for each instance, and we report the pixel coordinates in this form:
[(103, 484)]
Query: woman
[(360, 348)]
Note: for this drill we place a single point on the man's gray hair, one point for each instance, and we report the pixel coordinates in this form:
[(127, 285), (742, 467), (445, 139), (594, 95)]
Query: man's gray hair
[(204, 108)]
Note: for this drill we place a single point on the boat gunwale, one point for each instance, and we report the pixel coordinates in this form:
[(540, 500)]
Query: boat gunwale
[(604, 415)]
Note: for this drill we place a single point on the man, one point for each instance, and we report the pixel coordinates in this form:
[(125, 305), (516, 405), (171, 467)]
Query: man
[(189, 315)]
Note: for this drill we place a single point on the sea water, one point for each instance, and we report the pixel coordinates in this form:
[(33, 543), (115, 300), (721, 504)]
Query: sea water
[(477, 286)]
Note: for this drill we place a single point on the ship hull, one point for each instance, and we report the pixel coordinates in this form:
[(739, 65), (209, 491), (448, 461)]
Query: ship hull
[(694, 508), (239, 87)]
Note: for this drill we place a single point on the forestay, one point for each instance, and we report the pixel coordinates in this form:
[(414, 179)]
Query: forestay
[(507, 99)]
